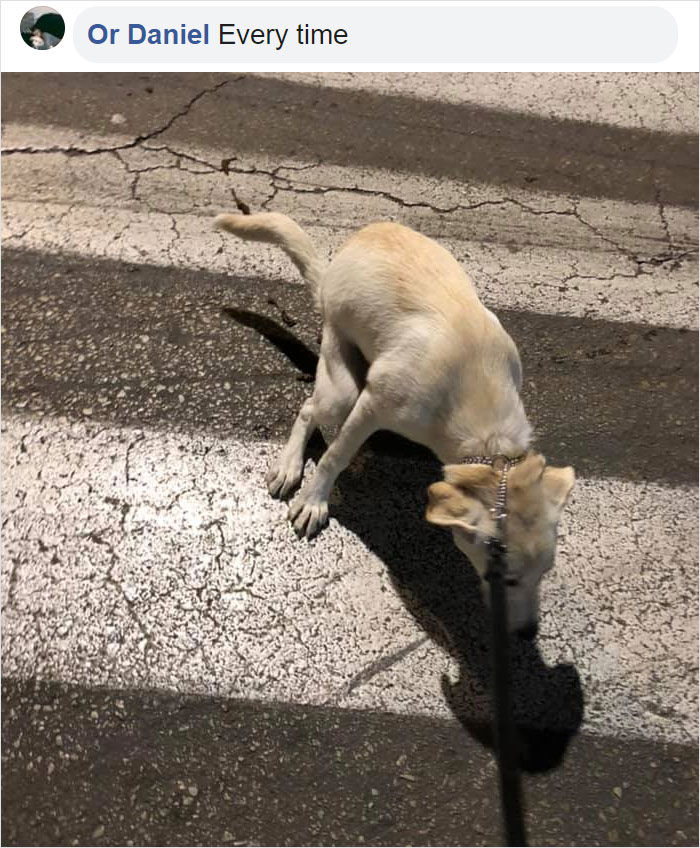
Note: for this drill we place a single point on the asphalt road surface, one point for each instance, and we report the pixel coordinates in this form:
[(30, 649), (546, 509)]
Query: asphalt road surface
[(177, 667)]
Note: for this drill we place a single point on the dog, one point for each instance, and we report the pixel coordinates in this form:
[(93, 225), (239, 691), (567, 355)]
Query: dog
[(407, 346)]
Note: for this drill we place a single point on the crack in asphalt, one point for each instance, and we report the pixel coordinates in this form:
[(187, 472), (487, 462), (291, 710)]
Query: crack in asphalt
[(280, 183), (95, 537), (240, 205), (376, 667), (173, 229), (12, 580), (139, 438), (664, 219), (72, 150), (655, 261), (674, 255)]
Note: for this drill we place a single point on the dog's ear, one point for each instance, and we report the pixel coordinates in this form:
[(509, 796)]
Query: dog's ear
[(450, 506), (557, 484)]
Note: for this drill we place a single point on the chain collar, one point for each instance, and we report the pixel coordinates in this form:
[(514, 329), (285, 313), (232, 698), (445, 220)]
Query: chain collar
[(498, 510)]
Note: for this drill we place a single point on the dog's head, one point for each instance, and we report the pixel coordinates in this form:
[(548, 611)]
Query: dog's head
[(536, 496)]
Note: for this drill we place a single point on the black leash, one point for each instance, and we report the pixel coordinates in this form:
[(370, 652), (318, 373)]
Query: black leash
[(505, 738), (506, 742)]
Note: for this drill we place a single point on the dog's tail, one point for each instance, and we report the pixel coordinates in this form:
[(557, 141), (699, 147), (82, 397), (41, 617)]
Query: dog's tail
[(278, 229)]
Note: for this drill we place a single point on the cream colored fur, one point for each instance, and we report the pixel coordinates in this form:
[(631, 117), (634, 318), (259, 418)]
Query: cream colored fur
[(408, 347)]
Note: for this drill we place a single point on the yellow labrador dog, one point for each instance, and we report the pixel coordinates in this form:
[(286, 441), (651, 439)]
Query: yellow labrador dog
[(408, 347)]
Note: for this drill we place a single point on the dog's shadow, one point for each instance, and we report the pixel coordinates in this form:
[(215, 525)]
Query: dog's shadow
[(381, 498)]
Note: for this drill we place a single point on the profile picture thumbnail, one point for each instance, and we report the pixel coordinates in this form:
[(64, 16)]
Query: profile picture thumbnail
[(42, 27)]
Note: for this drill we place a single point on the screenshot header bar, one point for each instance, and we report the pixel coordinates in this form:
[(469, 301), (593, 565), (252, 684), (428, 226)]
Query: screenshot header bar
[(552, 36)]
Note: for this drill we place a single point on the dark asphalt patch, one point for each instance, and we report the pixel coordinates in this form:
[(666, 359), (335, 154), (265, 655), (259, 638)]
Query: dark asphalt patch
[(146, 346), (303, 359), (98, 767)]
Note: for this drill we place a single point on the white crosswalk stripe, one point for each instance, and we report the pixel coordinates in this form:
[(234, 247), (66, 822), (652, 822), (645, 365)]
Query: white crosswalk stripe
[(152, 559)]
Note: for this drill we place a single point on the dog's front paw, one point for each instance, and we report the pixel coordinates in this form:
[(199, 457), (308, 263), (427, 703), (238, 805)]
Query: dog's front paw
[(308, 514), (283, 476)]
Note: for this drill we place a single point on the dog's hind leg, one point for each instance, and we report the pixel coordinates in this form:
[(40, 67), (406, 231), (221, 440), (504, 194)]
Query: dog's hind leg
[(339, 380), (309, 510), (340, 377)]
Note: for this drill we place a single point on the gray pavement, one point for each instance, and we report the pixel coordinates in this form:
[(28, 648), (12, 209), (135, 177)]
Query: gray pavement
[(151, 768), (178, 669)]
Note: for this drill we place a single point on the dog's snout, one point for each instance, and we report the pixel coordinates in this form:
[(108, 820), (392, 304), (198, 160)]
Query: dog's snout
[(529, 632)]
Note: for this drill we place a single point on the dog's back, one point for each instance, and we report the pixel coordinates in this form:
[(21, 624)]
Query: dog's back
[(389, 284)]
